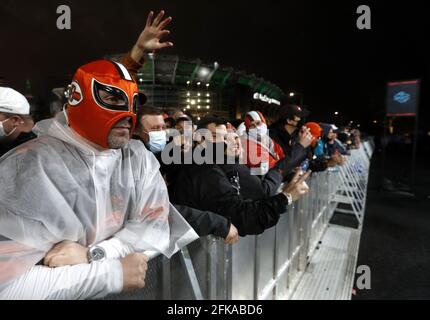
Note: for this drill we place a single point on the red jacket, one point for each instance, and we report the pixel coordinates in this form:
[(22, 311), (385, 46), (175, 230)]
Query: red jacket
[(261, 157)]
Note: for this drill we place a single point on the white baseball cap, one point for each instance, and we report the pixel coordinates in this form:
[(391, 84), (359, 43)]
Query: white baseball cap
[(12, 101)]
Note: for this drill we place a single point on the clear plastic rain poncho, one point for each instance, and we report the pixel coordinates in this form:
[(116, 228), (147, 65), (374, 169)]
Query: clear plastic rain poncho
[(58, 187)]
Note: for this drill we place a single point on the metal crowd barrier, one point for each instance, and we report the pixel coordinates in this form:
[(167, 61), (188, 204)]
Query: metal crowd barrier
[(354, 178), (267, 266)]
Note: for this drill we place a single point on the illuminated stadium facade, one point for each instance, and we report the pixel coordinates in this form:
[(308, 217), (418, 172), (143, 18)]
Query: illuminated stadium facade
[(199, 88)]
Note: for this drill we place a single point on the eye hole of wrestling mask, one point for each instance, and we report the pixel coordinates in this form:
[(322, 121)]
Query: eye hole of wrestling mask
[(110, 98)]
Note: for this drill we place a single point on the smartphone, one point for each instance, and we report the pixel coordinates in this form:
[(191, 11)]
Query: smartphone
[(305, 166)]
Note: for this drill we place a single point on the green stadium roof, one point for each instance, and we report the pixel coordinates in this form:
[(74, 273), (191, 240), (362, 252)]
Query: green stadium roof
[(172, 70)]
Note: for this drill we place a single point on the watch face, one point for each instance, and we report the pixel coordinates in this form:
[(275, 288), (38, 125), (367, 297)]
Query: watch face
[(97, 254)]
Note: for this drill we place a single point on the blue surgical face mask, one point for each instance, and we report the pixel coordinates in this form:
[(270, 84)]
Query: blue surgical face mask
[(157, 141)]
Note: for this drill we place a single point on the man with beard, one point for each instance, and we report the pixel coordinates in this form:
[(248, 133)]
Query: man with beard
[(81, 204)]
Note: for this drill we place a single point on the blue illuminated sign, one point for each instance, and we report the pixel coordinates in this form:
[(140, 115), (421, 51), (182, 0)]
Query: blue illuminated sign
[(402, 97)]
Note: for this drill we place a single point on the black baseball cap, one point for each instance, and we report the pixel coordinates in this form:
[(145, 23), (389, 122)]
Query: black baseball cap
[(292, 110)]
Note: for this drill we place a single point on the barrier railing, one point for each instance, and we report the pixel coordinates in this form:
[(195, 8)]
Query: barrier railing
[(267, 266)]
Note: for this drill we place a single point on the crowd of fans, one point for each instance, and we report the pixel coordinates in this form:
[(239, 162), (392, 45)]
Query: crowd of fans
[(220, 196), (254, 171), (251, 174), (87, 189)]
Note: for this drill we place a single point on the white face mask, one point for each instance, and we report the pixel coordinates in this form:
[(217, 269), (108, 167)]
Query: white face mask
[(3, 133), (157, 141), (260, 131)]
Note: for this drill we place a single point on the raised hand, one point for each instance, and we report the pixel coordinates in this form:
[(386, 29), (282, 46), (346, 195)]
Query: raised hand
[(150, 38)]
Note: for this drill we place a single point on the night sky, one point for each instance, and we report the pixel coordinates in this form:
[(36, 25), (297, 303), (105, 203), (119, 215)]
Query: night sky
[(313, 47)]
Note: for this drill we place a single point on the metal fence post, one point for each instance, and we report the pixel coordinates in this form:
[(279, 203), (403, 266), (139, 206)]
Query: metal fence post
[(191, 273)]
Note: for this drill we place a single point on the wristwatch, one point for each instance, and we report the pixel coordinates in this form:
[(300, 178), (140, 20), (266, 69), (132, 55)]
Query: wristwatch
[(96, 253), (289, 198)]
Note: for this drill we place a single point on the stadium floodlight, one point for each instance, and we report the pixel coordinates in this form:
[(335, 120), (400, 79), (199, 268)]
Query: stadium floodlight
[(203, 72)]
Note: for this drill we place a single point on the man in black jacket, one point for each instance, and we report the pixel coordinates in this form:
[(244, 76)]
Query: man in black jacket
[(291, 142), (150, 125), (294, 142), (219, 186)]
